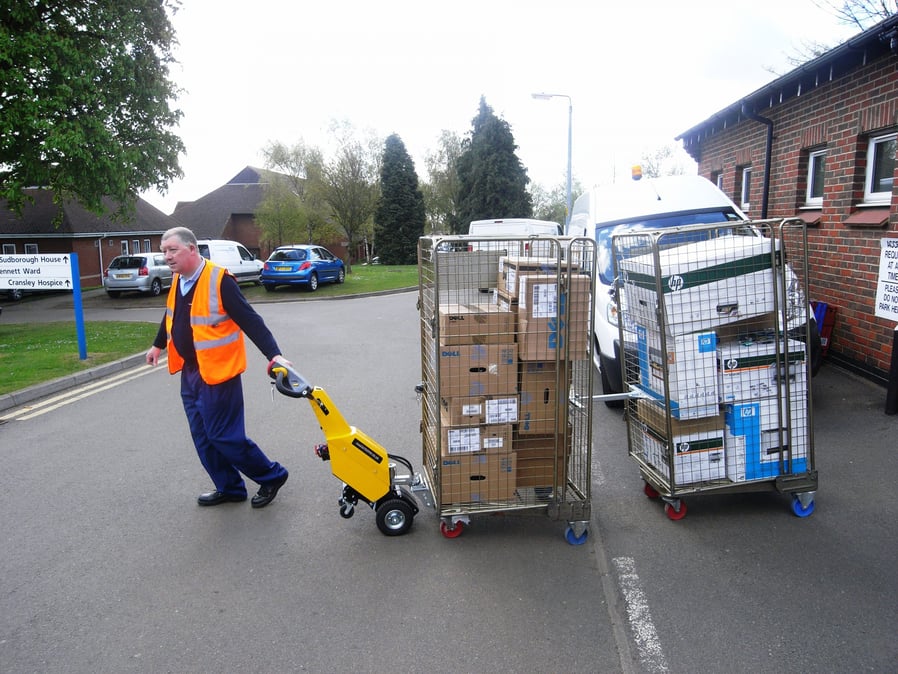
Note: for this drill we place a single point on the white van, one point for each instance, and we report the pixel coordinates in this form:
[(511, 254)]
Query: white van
[(650, 203), (245, 266)]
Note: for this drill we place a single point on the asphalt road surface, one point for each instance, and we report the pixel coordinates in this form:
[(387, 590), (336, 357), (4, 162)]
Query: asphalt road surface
[(110, 566)]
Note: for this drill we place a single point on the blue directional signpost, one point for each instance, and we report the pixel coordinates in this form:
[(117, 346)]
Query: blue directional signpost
[(46, 271)]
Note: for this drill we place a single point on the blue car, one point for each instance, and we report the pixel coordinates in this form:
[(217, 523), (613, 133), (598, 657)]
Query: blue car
[(306, 265)]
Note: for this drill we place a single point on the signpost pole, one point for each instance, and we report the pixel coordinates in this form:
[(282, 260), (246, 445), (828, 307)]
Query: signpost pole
[(79, 308)]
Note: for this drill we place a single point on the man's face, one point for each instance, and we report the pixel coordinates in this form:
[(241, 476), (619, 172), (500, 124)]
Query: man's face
[(180, 257)]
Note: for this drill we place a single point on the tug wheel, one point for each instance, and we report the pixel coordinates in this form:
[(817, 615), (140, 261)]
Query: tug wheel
[(451, 530), (650, 491), (346, 511), (394, 517)]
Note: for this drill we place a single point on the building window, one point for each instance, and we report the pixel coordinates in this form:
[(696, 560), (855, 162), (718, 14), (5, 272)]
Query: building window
[(816, 172), (135, 246), (125, 247), (146, 246), (9, 249), (30, 249), (745, 189), (880, 169), (717, 179)]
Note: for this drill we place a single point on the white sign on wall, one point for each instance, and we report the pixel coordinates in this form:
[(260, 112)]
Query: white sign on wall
[(887, 286)]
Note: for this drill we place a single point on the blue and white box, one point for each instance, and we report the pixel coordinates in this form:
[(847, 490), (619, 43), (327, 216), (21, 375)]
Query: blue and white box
[(749, 371), (758, 435), (690, 362)]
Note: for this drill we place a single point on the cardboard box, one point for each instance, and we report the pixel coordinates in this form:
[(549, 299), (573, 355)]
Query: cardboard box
[(553, 317), (697, 445), (460, 439), (478, 370), (748, 369), (542, 460), (477, 478), (703, 284), (477, 410), (691, 363), (512, 269), (757, 432), (475, 324), (538, 385)]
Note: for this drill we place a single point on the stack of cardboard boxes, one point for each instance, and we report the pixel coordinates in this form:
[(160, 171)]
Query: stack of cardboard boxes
[(732, 410), (502, 408)]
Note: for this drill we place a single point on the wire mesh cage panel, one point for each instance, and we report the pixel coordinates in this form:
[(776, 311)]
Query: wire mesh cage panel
[(714, 327), (506, 363)]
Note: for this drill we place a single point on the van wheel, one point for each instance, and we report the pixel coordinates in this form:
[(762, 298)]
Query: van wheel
[(607, 389)]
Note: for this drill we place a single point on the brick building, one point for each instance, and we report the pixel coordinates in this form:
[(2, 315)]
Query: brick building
[(819, 143)]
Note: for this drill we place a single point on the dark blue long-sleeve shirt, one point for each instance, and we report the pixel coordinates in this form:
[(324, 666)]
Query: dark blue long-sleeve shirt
[(235, 304)]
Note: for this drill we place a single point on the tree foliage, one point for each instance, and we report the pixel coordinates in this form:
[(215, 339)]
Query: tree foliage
[(441, 189), (399, 219), (552, 204), (492, 180), (349, 184), (85, 100), (293, 208), (667, 160)]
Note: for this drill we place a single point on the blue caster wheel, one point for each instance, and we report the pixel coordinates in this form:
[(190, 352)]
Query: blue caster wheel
[(573, 538), (801, 510)]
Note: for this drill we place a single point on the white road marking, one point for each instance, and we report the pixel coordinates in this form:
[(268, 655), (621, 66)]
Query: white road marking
[(651, 655), (72, 395)]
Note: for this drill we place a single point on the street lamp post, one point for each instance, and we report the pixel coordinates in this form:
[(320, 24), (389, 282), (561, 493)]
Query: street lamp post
[(570, 119)]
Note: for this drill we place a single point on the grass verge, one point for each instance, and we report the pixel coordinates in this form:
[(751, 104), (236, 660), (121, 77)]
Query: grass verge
[(31, 353)]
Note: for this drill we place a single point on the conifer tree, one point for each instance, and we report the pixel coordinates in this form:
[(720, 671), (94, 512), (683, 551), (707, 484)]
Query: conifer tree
[(492, 180), (399, 219)]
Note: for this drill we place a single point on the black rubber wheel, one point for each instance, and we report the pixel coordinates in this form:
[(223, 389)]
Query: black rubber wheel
[(269, 287), (156, 287), (114, 294), (341, 277), (313, 282), (394, 517), (608, 389)]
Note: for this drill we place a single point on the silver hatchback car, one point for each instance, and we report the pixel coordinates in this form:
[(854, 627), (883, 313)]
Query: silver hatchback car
[(146, 273)]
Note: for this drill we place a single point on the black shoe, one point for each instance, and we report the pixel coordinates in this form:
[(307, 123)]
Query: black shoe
[(267, 492), (211, 498)]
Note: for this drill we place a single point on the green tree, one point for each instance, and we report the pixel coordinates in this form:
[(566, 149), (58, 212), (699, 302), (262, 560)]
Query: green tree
[(349, 185), (552, 204), (85, 100), (667, 160), (293, 209), (492, 180), (399, 218), (441, 189)]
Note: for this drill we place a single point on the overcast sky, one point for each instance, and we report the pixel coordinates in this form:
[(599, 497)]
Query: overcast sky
[(638, 74)]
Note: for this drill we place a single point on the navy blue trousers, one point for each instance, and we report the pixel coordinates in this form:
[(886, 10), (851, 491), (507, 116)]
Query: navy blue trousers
[(215, 415)]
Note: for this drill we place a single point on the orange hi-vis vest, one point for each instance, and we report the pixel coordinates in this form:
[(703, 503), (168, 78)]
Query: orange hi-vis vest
[(220, 350)]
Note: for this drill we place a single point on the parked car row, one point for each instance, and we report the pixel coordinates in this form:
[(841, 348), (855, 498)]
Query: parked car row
[(302, 264)]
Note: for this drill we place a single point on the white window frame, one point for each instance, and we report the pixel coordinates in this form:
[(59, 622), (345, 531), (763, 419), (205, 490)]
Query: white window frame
[(9, 249), (814, 158), (125, 250), (745, 189), (719, 180), (31, 249), (873, 150), (147, 247)]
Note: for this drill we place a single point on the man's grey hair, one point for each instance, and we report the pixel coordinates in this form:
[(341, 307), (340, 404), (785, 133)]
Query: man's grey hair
[(187, 237)]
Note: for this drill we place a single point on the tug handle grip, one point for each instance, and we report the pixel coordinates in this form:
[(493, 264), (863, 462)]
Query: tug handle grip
[(288, 381)]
